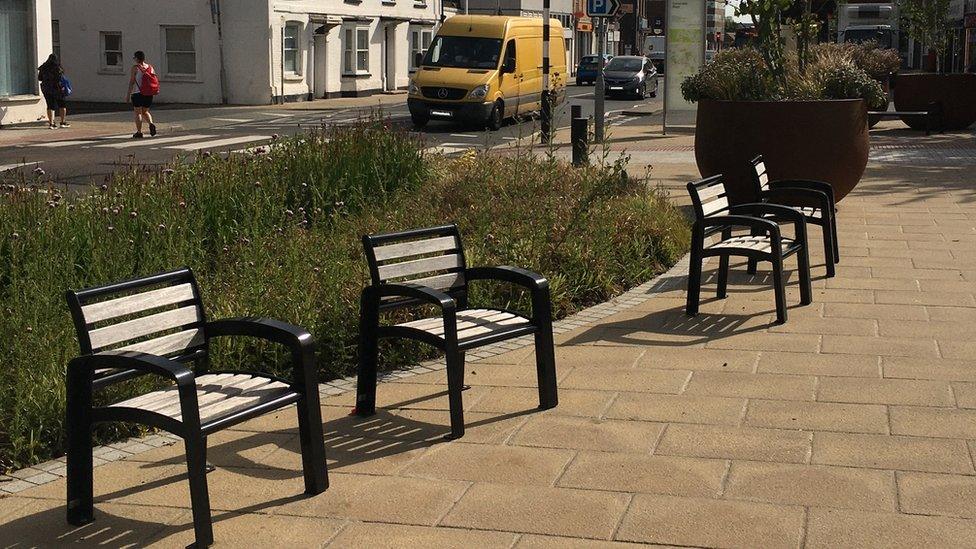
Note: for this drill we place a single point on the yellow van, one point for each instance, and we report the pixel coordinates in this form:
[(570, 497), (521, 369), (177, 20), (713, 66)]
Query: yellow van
[(483, 69)]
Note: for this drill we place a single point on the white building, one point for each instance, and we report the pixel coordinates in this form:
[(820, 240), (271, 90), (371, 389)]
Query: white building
[(25, 42), (244, 51)]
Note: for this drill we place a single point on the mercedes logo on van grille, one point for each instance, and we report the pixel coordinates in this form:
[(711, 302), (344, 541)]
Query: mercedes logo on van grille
[(442, 93)]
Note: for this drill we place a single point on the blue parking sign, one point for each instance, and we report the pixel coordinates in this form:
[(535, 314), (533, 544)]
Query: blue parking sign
[(602, 8)]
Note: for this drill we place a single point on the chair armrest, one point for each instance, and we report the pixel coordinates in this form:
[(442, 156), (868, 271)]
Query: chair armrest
[(765, 225), (296, 339), (131, 360), (798, 196), (415, 291), (779, 212), (268, 329), (506, 273), (821, 186)]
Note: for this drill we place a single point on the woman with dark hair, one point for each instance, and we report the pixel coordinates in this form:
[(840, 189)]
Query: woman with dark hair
[(49, 74), (143, 78)]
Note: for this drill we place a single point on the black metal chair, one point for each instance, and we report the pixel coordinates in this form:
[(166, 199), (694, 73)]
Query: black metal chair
[(715, 216), (427, 267), (814, 199), (156, 325)]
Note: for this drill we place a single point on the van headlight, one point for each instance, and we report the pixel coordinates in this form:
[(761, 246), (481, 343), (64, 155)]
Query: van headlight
[(414, 89), (479, 92)]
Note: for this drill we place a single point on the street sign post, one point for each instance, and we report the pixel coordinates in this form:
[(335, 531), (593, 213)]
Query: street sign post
[(601, 10)]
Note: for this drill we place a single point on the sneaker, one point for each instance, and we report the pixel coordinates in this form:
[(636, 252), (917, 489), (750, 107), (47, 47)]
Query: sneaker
[(52, 126), (65, 125), (137, 135), (152, 129)]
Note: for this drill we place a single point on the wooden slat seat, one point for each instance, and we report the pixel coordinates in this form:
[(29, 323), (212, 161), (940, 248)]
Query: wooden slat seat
[(218, 395), (760, 243), (472, 323)]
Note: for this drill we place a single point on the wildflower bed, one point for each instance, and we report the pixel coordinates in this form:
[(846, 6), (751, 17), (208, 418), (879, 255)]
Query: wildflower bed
[(278, 234)]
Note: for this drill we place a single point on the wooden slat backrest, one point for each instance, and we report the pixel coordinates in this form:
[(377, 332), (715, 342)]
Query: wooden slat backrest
[(760, 176), (160, 315), (708, 196), (430, 257)]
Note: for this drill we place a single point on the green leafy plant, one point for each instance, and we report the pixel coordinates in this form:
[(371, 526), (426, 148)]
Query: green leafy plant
[(878, 62)]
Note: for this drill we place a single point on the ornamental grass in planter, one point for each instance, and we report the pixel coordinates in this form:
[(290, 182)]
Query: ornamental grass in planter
[(805, 111)]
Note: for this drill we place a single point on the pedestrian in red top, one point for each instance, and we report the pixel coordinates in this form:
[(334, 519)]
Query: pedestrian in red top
[(143, 78)]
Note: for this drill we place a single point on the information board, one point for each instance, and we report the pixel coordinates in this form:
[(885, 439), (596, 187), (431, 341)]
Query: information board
[(685, 53)]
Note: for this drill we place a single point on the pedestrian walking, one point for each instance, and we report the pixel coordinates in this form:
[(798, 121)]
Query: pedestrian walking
[(51, 76), (143, 78)]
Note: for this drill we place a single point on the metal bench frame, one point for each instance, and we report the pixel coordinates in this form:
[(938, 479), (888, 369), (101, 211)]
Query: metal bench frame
[(449, 293), (714, 215), (96, 369)]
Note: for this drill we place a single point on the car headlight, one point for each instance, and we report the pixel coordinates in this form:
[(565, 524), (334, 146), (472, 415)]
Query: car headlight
[(414, 89), (479, 92)]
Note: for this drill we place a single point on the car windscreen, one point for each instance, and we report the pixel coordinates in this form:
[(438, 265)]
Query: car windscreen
[(882, 37), (624, 65), (464, 52)]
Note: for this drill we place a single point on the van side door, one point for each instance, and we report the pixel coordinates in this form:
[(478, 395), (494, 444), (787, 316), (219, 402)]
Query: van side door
[(508, 82), (530, 73)]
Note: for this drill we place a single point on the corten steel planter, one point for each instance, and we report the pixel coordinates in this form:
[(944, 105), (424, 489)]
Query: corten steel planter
[(956, 92), (820, 140)]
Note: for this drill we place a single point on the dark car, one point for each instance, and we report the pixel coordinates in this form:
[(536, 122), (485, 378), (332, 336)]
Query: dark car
[(630, 75), (588, 68)]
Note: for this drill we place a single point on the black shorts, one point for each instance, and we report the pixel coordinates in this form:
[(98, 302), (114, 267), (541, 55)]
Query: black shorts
[(54, 101), (139, 100)]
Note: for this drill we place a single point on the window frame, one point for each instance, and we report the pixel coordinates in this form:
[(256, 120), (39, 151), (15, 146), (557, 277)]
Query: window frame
[(298, 51), (351, 50), (167, 51), (103, 65), (422, 35)]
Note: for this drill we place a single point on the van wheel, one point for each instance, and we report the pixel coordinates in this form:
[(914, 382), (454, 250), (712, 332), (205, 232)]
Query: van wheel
[(495, 117), (419, 120)]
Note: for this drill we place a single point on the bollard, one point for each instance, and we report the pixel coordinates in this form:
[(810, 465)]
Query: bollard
[(546, 129), (577, 112), (578, 135)]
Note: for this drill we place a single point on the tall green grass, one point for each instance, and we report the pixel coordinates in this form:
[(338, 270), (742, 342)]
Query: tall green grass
[(278, 234)]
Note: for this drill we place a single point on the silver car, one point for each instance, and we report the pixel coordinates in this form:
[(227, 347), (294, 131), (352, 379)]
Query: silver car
[(632, 75)]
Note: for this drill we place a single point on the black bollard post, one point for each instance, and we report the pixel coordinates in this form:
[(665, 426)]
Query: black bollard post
[(546, 129), (578, 134), (577, 112)]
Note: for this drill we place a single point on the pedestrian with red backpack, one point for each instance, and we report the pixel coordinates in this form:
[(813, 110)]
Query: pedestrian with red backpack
[(143, 78)]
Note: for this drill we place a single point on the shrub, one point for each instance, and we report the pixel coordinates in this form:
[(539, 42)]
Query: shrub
[(738, 75), (876, 61), (277, 234)]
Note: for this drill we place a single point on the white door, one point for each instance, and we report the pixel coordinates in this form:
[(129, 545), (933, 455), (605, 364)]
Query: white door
[(320, 63), (389, 58)]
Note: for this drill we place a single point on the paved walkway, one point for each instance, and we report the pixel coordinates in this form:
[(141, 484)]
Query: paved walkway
[(853, 425)]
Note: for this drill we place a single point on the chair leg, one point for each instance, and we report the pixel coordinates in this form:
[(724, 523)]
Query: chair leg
[(833, 230), (545, 365), (779, 287), (828, 242), (210, 466), (694, 284), (313, 443), (803, 266), (80, 504), (196, 468), (723, 277), (455, 384), (366, 382)]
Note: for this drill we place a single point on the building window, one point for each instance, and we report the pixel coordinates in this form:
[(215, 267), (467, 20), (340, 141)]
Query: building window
[(111, 44), (56, 38), (180, 52), (419, 42), (292, 48), (355, 52), (17, 74)]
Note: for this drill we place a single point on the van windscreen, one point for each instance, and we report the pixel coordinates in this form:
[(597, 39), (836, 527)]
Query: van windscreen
[(464, 52)]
